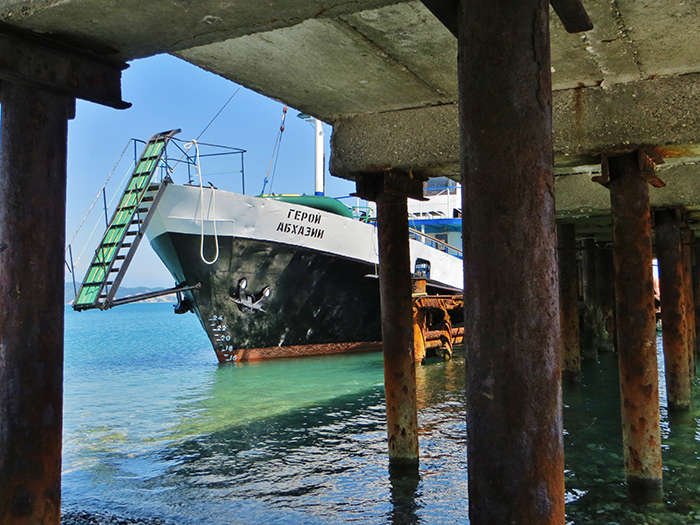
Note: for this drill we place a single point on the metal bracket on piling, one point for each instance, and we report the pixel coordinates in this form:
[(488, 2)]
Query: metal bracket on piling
[(41, 62), (395, 182), (648, 160), (571, 13)]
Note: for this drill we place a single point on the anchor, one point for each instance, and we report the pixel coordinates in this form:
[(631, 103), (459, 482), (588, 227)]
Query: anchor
[(247, 302)]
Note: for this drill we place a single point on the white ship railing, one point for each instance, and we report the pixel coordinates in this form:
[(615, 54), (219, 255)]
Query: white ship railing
[(435, 242)]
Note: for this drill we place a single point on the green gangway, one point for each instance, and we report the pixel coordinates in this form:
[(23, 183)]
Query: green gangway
[(129, 223)]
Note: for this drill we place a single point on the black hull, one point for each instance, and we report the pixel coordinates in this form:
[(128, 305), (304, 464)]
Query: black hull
[(315, 299)]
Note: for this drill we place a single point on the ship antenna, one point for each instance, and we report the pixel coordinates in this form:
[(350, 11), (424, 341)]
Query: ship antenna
[(275, 154)]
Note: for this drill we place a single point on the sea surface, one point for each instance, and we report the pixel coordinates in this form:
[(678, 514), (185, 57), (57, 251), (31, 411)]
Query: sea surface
[(154, 427)]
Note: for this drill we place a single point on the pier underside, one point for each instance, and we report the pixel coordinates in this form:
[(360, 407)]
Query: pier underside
[(525, 118)]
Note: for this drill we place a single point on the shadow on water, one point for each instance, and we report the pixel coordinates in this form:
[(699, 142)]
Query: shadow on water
[(327, 462), (299, 460), (595, 486)]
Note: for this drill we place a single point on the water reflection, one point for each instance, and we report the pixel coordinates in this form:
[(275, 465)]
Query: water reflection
[(304, 441), (296, 441), (404, 494), (322, 454), (595, 484)]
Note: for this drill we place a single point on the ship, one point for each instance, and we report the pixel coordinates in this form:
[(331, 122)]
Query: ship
[(268, 276)]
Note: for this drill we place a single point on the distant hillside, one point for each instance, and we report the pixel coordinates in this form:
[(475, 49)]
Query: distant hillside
[(125, 292)]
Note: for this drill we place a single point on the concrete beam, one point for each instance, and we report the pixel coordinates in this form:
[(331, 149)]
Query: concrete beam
[(577, 198), (661, 112), (360, 63), (134, 29), (424, 141)]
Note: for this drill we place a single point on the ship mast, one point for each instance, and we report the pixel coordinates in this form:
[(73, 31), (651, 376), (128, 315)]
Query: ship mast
[(319, 186)]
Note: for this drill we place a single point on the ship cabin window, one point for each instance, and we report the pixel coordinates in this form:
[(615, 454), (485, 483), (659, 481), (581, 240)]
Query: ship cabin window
[(422, 269), (439, 186), (441, 237)]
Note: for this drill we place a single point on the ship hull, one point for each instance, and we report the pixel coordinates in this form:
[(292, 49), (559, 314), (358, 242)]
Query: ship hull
[(317, 303)]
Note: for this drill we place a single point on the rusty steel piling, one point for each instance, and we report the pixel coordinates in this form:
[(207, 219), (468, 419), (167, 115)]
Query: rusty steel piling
[(636, 326), (32, 223), (696, 296), (419, 329), (568, 303), (397, 329), (689, 304), (592, 317), (673, 309), (605, 283), (514, 414)]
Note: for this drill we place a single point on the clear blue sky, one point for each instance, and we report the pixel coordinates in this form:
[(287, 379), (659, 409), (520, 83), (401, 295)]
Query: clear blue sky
[(168, 93)]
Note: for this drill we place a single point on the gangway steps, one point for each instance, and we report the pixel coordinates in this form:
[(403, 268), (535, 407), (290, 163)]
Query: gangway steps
[(130, 220)]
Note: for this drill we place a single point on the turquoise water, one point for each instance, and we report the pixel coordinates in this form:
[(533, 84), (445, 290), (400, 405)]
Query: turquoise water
[(596, 491), (155, 428)]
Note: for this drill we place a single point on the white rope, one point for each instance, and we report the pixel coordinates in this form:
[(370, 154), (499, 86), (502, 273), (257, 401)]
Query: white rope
[(201, 204)]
